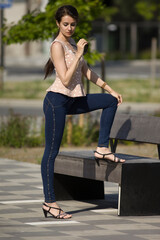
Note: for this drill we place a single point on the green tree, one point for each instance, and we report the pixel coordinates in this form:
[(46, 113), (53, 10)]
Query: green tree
[(136, 10), (149, 9), (41, 25), (126, 10)]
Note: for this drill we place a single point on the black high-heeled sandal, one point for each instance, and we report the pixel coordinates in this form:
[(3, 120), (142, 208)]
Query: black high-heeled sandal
[(59, 216), (116, 159)]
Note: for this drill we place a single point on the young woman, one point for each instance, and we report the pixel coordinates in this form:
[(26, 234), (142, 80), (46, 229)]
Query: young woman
[(67, 96)]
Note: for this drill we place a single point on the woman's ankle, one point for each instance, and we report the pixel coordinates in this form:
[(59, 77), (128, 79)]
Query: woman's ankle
[(102, 149), (50, 204)]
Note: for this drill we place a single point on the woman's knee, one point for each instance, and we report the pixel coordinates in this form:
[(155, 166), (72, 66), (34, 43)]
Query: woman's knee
[(113, 101)]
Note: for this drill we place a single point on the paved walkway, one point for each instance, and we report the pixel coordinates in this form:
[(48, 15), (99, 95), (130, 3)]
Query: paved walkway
[(21, 215)]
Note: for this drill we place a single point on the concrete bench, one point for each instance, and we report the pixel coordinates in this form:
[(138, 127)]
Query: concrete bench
[(77, 176)]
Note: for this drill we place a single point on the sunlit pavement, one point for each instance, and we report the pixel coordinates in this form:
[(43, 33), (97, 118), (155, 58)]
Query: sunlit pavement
[(21, 215)]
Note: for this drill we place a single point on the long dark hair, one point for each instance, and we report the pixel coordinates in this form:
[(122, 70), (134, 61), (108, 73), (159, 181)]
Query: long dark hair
[(61, 12)]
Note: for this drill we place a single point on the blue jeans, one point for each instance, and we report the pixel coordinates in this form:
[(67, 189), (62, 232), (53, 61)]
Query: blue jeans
[(56, 107)]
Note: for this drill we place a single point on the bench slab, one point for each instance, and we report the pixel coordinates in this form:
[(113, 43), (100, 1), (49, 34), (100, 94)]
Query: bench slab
[(138, 179)]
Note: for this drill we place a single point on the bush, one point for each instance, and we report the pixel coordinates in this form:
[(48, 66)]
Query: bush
[(64, 139), (92, 132), (19, 131), (15, 132), (78, 135)]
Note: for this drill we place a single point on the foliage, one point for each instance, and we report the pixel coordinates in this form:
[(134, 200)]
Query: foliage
[(64, 139), (149, 9), (41, 25), (15, 132), (136, 10), (142, 55), (127, 10), (78, 135), (108, 13), (82, 135), (157, 114), (92, 132), (38, 25)]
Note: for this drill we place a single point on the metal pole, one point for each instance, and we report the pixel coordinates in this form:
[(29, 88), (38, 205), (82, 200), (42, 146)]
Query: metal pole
[(123, 38), (103, 72), (1, 50), (27, 44), (133, 28), (153, 60)]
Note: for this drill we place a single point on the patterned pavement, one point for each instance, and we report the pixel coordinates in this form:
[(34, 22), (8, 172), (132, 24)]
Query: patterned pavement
[(21, 217)]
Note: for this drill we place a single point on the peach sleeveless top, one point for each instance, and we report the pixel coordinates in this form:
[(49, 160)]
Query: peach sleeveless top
[(75, 88)]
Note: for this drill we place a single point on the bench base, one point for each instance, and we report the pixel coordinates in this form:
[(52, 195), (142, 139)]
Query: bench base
[(139, 190), (77, 188), (78, 177)]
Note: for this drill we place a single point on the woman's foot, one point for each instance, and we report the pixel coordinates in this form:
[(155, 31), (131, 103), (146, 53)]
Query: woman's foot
[(55, 210), (105, 153)]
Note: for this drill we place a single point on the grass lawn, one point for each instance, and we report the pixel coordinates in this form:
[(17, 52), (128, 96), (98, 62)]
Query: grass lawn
[(132, 90), (34, 155)]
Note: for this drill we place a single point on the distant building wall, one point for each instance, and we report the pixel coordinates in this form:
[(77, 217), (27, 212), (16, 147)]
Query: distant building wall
[(125, 37)]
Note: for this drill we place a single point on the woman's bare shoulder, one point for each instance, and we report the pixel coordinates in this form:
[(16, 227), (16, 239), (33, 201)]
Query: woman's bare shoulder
[(56, 45)]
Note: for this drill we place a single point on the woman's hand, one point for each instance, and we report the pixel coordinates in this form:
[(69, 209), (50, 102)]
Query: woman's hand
[(118, 96), (80, 47)]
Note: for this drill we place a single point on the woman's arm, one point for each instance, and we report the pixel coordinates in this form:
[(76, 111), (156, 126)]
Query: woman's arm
[(58, 57), (93, 77)]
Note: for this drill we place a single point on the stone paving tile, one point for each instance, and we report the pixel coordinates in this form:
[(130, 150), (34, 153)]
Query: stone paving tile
[(10, 238), (21, 216), (149, 236), (115, 237), (55, 238)]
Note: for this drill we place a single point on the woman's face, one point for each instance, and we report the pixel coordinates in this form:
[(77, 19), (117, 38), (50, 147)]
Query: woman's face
[(67, 26)]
